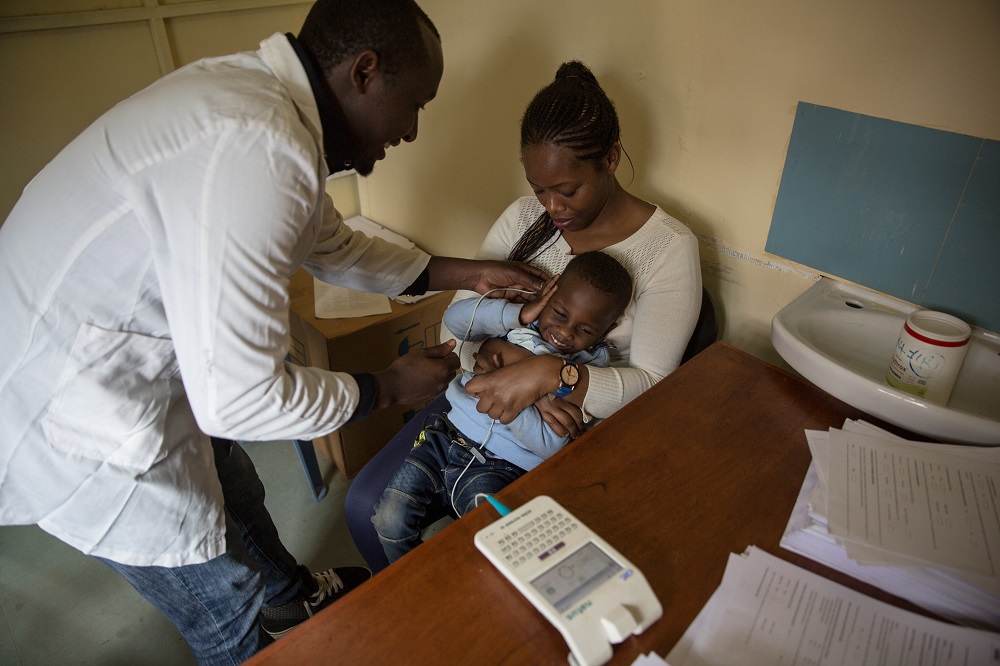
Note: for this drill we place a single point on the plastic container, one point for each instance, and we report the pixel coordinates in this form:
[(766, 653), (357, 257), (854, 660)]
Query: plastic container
[(929, 354)]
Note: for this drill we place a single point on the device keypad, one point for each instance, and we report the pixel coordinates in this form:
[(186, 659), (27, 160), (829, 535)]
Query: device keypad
[(539, 537)]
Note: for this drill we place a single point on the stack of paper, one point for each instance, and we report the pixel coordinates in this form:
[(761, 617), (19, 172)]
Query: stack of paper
[(918, 520), (767, 611)]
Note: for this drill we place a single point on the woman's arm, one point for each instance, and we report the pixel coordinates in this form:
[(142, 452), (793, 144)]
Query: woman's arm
[(507, 391), (563, 415), (666, 310)]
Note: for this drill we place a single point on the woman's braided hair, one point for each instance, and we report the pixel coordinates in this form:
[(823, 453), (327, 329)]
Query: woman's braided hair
[(572, 111)]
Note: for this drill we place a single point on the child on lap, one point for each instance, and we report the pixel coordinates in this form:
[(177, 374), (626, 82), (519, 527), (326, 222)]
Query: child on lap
[(464, 454)]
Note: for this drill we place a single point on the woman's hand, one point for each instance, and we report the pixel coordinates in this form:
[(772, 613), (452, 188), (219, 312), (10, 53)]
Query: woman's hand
[(505, 392), (565, 418)]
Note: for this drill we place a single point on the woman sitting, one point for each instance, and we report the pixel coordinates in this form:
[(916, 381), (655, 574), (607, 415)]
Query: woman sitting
[(571, 150)]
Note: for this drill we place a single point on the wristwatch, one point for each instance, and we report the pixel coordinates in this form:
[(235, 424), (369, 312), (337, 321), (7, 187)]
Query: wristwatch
[(569, 375)]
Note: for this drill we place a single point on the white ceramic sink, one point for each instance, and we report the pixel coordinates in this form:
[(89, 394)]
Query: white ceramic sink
[(840, 337)]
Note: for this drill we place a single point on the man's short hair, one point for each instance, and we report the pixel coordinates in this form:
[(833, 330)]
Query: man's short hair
[(336, 30)]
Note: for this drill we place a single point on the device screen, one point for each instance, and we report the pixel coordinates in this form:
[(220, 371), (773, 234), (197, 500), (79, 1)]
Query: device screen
[(576, 576)]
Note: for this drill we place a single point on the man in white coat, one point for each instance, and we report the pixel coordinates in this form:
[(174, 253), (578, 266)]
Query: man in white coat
[(143, 286)]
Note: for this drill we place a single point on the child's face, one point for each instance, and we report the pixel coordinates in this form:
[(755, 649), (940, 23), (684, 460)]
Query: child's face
[(576, 317)]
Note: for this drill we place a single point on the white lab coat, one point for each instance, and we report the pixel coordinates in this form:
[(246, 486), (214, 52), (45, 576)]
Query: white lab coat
[(143, 292)]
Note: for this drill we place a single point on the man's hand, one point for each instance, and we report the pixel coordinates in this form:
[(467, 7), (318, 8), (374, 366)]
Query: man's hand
[(484, 276), (510, 274), (417, 376)]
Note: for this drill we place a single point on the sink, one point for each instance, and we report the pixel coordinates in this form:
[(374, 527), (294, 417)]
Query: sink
[(840, 337)]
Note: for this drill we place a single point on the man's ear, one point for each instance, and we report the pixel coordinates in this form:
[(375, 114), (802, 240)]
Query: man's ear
[(364, 71)]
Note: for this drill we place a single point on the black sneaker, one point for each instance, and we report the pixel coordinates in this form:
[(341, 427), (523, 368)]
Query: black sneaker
[(332, 584)]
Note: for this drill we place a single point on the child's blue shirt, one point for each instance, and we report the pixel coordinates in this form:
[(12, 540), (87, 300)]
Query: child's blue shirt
[(527, 440)]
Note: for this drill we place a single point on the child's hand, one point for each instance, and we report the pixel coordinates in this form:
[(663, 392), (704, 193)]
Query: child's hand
[(565, 418), (495, 353), (486, 363), (532, 310)]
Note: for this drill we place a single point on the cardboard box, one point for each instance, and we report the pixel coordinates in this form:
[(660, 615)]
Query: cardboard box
[(361, 344)]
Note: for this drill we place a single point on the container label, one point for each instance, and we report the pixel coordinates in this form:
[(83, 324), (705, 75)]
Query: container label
[(913, 365), (928, 354), (902, 374)]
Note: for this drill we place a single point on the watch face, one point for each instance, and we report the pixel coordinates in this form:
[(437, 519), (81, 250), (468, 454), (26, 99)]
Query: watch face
[(569, 375)]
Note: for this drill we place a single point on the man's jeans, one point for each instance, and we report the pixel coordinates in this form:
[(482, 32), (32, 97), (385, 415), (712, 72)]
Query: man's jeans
[(215, 604), (436, 471)]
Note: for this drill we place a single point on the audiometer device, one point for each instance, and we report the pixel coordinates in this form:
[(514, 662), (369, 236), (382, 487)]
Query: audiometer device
[(584, 587)]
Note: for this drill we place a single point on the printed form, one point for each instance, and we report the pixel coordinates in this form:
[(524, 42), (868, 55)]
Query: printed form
[(912, 502), (964, 597), (767, 611), (333, 302)]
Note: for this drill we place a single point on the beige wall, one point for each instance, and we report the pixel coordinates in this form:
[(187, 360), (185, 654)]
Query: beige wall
[(706, 92)]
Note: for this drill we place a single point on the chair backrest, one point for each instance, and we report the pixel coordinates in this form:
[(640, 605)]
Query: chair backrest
[(706, 331)]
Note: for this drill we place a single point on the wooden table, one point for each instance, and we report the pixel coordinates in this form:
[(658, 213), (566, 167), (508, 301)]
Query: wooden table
[(704, 464)]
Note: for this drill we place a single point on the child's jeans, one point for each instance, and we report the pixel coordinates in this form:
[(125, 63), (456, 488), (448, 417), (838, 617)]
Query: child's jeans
[(441, 476)]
